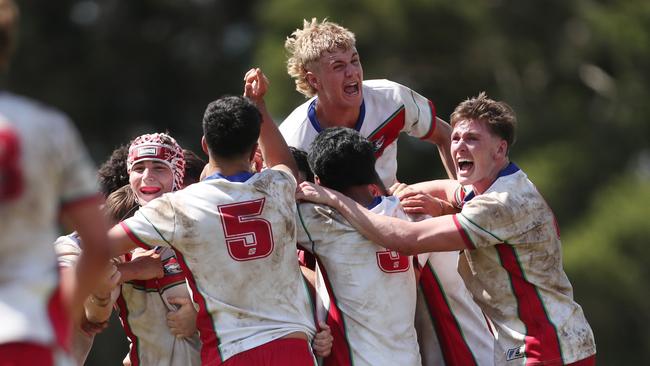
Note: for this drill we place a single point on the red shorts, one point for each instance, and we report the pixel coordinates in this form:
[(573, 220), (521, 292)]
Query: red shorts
[(25, 354), (589, 361), (280, 352)]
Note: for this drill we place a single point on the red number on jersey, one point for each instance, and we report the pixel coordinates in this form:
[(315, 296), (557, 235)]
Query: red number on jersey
[(11, 176), (390, 261), (247, 237)]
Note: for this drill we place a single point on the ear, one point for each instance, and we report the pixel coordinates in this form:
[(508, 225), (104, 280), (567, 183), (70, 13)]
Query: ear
[(502, 148), (204, 146), (317, 180), (312, 79)]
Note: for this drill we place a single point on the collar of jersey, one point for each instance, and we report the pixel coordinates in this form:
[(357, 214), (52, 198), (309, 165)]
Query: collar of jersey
[(508, 170), (375, 201), (311, 113), (239, 177)]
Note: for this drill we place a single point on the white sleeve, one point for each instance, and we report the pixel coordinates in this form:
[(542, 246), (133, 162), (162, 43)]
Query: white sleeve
[(154, 224), (420, 120)]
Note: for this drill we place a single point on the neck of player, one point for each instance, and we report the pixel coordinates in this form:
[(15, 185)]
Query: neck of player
[(360, 194), (331, 115), (227, 167)]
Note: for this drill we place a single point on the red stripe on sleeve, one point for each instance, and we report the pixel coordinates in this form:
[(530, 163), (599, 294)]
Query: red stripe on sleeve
[(541, 340), (463, 234), (134, 238)]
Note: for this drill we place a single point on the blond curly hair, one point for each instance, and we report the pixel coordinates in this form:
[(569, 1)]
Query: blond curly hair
[(308, 44)]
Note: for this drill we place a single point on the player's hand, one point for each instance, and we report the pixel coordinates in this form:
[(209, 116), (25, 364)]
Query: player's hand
[(182, 322), (322, 343), (256, 84), (258, 161), (89, 328), (148, 264), (396, 188), (417, 202), (110, 280), (314, 193)]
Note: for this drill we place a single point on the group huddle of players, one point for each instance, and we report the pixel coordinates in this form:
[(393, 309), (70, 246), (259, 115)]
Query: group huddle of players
[(230, 263)]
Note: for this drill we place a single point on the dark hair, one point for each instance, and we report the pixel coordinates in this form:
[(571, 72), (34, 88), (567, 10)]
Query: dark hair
[(231, 126), (112, 173), (499, 116), (342, 158), (303, 165), (193, 167)]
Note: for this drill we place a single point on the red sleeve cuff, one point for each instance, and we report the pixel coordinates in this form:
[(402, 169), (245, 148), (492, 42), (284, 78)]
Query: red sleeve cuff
[(463, 234)]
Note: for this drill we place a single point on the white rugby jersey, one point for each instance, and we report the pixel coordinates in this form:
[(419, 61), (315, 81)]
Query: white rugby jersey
[(68, 250), (367, 290), (235, 237), (44, 168), (452, 330), (513, 267), (388, 108), (143, 312)]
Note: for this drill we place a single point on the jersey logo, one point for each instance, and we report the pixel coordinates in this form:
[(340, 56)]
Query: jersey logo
[(378, 144), (390, 261), (388, 132), (515, 353), (248, 236)]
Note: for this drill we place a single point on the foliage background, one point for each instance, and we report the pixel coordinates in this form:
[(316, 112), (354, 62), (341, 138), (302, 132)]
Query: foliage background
[(576, 72)]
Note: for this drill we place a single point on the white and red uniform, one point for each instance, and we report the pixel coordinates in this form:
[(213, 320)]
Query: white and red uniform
[(44, 168), (388, 108), (143, 308), (68, 250), (452, 330), (367, 290), (513, 268), (236, 242)]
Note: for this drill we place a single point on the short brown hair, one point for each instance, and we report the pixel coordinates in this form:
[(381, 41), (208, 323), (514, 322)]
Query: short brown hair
[(499, 116), (8, 25), (121, 204), (308, 44)]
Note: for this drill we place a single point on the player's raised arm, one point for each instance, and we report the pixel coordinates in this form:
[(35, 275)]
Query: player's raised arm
[(274, 148), (436, 234), (441, 137)]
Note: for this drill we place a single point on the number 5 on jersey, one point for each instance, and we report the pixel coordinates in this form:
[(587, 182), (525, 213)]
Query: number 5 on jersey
[(248, 236)]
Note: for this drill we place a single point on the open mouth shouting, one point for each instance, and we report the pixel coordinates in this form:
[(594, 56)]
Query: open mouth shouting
[(464, 166), (352, 89)]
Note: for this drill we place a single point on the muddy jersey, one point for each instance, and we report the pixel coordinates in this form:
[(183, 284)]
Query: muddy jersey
[(235, 237), (452, 330), (388, 108), (513, 267), (368, 291), (44, 168), (143, 308)]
